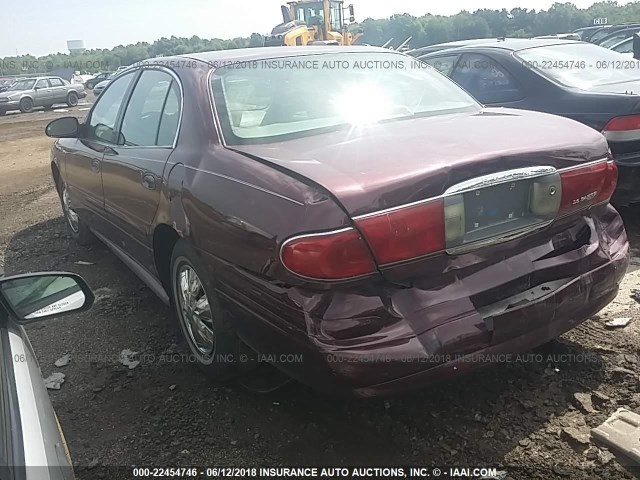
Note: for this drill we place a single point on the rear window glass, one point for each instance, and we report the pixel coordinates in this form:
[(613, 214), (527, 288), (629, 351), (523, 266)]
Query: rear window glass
[(581, 65), (298, 96)]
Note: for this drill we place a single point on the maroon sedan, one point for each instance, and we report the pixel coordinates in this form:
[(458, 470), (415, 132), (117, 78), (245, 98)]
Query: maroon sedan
[(348, 213)]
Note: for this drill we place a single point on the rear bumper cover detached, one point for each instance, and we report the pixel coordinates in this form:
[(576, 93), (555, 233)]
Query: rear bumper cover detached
[(386, 338)]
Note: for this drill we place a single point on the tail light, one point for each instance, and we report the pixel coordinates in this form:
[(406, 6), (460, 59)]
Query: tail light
[(623, 129), (405, 233), (450, 222), (588, 185), (328, 256)]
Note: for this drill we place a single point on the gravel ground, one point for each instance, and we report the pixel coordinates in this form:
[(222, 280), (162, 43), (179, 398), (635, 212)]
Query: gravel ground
[(531, 417)]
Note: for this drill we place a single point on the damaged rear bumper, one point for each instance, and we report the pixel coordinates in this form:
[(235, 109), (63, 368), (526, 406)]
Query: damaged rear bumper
[(545, 318), (455, 315)]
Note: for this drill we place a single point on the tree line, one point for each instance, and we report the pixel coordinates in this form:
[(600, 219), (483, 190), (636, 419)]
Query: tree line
[(424, 30)]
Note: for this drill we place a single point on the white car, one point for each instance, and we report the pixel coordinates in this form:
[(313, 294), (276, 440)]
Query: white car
[(32, 446)]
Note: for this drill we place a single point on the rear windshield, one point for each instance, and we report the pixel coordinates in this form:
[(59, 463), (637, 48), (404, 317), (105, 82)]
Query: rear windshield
[(581, 65), (271, 100)]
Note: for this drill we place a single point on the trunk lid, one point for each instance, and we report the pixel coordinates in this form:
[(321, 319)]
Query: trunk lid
[(390, 164)]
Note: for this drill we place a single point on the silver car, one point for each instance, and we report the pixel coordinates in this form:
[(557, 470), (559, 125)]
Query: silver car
[(29, 93), (32, 446)]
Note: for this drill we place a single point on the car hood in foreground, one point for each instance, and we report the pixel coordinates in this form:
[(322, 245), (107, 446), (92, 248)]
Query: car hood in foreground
[(394, 163)]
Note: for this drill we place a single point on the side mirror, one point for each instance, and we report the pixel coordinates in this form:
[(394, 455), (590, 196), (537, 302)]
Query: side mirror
[(65, 127), (37, 296)]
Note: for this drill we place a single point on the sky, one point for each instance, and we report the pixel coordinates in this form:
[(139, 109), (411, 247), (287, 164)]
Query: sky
[(40, 27)]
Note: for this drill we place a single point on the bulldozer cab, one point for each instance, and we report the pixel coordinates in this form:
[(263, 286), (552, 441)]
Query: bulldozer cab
[(313, 22), (315, 14)]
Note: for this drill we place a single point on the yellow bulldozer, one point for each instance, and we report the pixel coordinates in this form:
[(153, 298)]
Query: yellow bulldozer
[(313, 22)]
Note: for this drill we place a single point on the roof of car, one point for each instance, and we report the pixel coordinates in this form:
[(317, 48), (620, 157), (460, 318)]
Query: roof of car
[(512, 44), (241, 54)]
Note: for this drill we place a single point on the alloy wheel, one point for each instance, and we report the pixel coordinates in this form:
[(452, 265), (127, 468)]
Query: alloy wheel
[(195, 311)]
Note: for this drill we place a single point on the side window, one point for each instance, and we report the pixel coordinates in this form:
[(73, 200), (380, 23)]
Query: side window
[(443, 64), (42, 83), (170, 117), (56, 82), (102, 123), (141, 124), (486, 80)]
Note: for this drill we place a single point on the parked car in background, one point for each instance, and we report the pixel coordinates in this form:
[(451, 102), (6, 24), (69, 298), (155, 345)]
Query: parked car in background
[(99, 87), (5, 84), (616, 37), (29, 93), (92, 82), (595, 35), (381, 234), (586, 32), (624, 46), (419, 52), (32, 445), (560, 36), (578, 80)]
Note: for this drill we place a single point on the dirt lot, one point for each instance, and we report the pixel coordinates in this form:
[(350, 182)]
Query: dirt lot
[(520, 416)]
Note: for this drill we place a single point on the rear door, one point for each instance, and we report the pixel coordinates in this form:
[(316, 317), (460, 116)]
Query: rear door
[(133, 169), (59, 90)]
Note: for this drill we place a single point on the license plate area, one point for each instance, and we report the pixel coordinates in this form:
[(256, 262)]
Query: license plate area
[(497, 207)]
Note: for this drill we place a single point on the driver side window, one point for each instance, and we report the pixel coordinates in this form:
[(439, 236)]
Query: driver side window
[(102, 124)]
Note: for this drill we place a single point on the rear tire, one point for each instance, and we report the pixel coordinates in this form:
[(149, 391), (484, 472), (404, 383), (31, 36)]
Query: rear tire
[(72, 99), (209, 335), (78, 228), (26, 105)]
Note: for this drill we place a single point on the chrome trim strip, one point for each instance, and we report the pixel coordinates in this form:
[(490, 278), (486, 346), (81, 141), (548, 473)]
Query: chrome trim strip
[(214, 109), (324, 234), (245, 183), (499, 178)]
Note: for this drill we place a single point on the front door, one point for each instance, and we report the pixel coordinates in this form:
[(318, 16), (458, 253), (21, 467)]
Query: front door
[(43, 93), (133, 169), (83, 166)]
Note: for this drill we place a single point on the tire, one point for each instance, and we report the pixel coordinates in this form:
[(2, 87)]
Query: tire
[(214, 345), (72, 99), (26, 105), (78, 228)]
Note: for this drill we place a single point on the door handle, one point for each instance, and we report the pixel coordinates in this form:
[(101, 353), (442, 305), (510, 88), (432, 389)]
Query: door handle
[(95, 165), (149, 181)]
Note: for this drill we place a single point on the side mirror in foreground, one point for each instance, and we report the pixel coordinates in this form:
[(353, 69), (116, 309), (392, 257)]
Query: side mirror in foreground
[(37, 296)]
